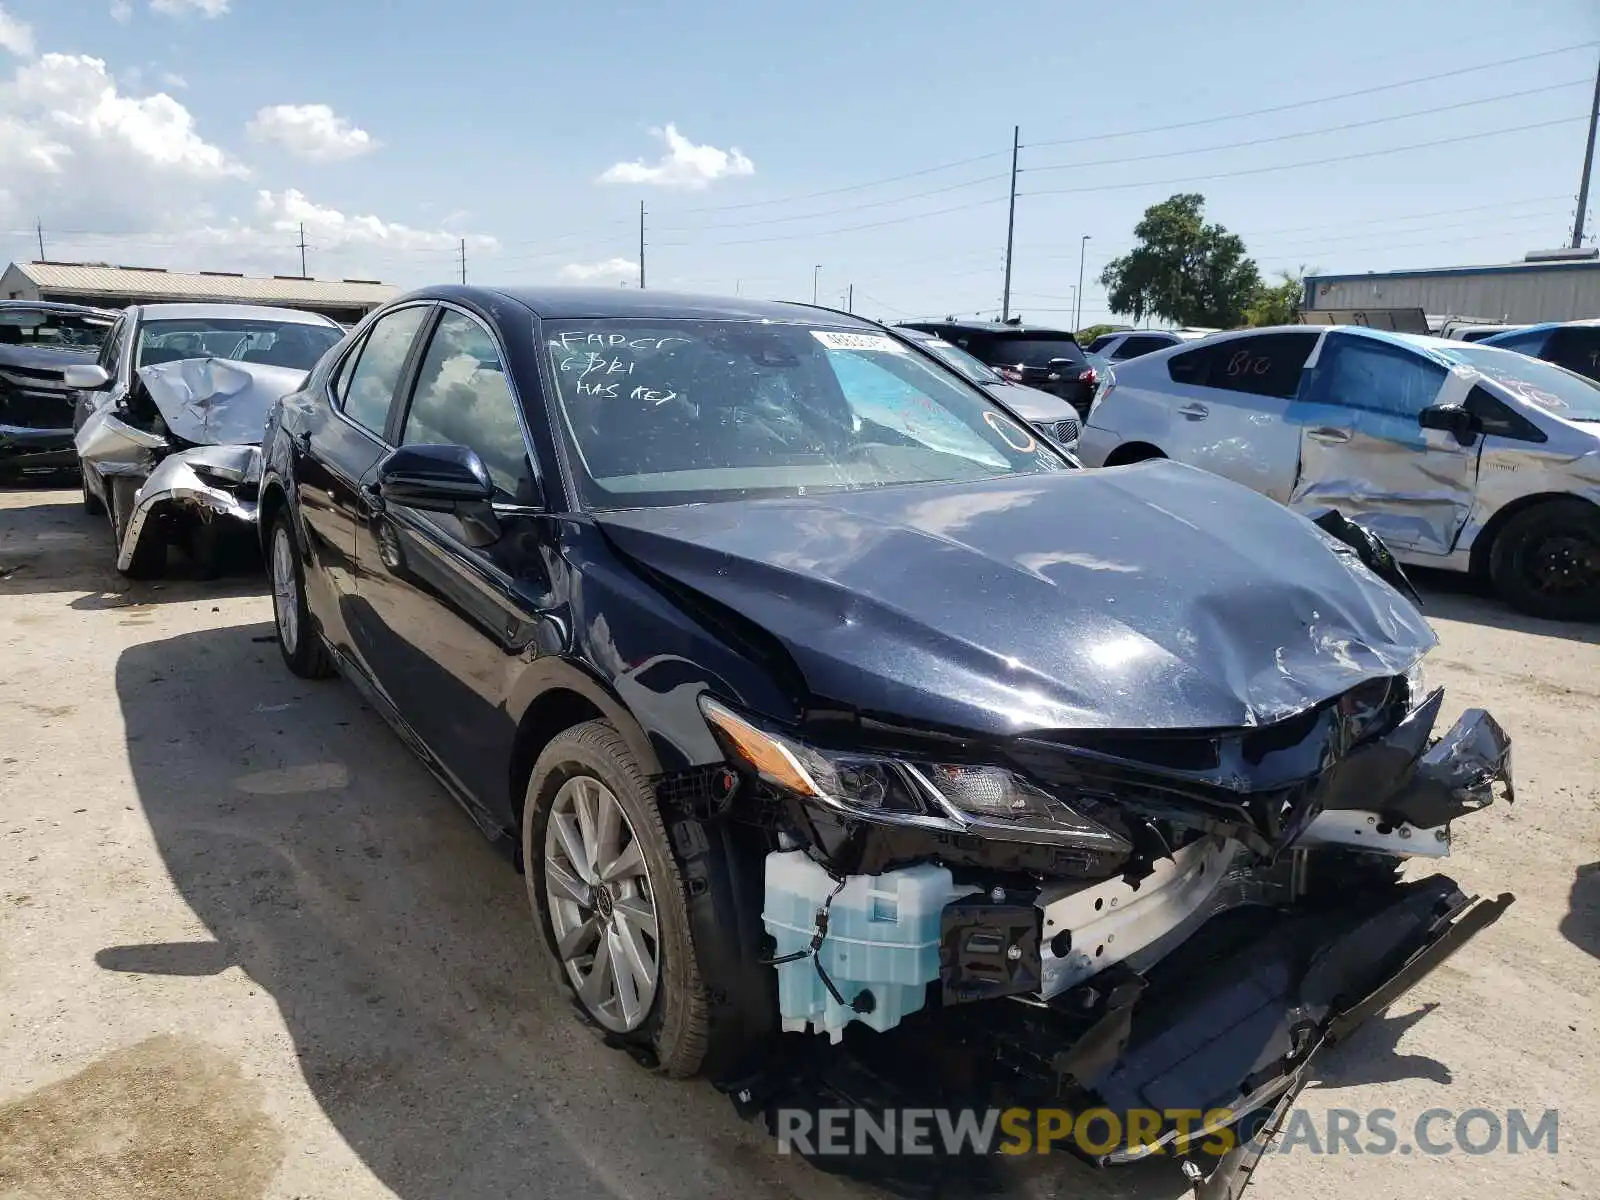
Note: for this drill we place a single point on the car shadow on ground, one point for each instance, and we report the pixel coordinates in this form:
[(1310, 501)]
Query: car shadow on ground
[(397, 946), (1581, 925), (1459, 597), (396, 943), (50, 544)]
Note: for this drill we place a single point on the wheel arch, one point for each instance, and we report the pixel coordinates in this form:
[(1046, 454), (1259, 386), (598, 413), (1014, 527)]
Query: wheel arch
[(273, 500), (1132, 452), (1483, 544)]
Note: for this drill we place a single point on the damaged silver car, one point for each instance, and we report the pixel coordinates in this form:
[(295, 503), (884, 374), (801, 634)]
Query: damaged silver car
[(168, 422)]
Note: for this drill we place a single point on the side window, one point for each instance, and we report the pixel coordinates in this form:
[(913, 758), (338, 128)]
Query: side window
[(111, 348), (1098, 346), (1136, 346), (1526, 343), (462, 399), (367, 392), (1268, 365), (1501, 420), (1359, 372), (1577, 348), (341, 381)]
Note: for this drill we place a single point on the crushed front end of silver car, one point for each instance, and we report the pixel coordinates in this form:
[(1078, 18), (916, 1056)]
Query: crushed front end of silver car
[(178, 462)]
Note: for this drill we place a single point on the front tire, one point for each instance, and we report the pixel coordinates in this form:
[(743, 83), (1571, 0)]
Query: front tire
[(91, 502), (298, 640), (150, 556), (609, 898), (1546, 561)]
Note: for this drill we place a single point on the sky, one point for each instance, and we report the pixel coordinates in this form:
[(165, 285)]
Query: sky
[(781, 149)]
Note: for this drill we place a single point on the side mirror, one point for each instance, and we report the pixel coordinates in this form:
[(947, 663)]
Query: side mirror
[(434, 478), (1452, 418), (85, 377)]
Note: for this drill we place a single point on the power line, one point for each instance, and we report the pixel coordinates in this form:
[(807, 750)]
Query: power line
[(1317, 162), (854, 187), (789, 237), (832, 212), (1277, 108), (1289, 137)]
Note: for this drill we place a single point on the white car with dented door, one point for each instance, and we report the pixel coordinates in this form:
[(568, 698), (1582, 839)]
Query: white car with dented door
[(1458, 455)]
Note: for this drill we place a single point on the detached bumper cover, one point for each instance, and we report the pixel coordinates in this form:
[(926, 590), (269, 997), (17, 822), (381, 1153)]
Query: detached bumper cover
[(200, 478)]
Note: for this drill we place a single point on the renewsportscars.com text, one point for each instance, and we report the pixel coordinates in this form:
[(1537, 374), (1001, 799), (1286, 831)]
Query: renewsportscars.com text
[(1381, 1131)]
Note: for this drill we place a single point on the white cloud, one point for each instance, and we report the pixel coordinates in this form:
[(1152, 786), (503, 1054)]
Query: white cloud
[(282, 213), (179, 8), (172, 80), (122, 11), (15, 36), (311, 131), (611, 268), (684, 165)]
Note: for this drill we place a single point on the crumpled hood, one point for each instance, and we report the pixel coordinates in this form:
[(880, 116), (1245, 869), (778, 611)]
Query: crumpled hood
[(1148, 597), (218, 401)]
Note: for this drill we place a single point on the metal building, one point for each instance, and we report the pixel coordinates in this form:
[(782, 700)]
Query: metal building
[(345, 300), (1540, 288)]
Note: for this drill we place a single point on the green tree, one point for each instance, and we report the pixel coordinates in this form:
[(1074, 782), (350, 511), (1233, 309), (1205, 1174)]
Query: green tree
[(1085, 336), (1184, 270), (1278, 303)]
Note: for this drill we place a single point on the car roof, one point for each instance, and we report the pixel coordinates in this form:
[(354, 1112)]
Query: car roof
[(86, 310), (239, 312), (565, 303), (1539, 327), (990, 327)]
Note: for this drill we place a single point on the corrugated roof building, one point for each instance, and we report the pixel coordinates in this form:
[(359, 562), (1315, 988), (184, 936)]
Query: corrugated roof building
[(346, 300), (1516, 293)]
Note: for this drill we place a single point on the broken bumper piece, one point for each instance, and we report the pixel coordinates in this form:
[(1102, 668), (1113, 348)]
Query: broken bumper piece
[(209, 482)]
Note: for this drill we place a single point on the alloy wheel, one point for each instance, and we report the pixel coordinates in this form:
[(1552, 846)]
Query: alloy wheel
[(601, 904), (285, 589)]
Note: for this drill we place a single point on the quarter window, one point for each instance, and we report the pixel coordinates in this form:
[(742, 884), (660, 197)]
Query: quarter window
[(463, 399), (371, 383)]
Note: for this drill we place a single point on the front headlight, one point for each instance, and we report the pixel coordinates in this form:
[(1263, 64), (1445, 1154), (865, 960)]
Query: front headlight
[(960, 797)]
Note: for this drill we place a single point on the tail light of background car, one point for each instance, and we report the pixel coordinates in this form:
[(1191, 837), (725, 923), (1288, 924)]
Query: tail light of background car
[(1010, 374), (1088, 377)]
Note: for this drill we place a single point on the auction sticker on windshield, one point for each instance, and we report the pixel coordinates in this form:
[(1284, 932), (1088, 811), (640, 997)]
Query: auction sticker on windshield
[(882, 342)]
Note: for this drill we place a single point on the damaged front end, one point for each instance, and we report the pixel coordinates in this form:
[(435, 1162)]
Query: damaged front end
[(178, 458), (1163, 921)]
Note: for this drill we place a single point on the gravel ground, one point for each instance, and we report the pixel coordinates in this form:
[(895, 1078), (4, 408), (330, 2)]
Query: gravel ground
[(249, 949)]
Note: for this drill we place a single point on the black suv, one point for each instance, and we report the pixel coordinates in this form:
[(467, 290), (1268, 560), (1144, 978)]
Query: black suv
[(1048, 359), (39, 340)]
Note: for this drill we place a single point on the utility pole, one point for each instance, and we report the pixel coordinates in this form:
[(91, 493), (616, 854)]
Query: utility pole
[(1077, 303), (815, 271), (1588, 165), (302, 250), (463, 262), (38, 224), (1011, 223), (850, 299), (641, 245)]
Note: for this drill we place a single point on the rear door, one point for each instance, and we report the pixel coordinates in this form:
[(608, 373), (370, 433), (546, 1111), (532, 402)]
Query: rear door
[(451, 608), (1228, 404), (1363, 452), (343, 441)]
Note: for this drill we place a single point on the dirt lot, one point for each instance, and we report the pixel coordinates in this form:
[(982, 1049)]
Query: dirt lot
[(249, 949)]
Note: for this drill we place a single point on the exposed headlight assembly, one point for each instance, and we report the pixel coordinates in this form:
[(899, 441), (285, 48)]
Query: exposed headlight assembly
[(955, 798)]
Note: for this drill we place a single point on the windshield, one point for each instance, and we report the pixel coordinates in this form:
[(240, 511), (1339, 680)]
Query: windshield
[(961, 361), (47, 328), (272, 343), (658, 412), (1554, 389), (1033, 351)]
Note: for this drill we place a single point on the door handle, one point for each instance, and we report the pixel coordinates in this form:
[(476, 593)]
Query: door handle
[(1195, 412), (1328, 436)]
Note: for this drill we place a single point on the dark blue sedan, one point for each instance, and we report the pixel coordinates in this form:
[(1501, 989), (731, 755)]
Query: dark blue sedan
[(815, 691)]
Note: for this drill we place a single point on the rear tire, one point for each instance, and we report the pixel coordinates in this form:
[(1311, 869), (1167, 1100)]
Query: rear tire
[(592, 760), (150, 557), (1546, 561), (298, 640)]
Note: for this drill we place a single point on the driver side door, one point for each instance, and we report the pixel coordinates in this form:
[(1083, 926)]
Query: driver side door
[(1364, 452)]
